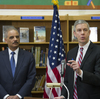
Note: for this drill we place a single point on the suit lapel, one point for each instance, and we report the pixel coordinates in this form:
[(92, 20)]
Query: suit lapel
[(19, 62), (7, 62), (89, 51), (75, 53)]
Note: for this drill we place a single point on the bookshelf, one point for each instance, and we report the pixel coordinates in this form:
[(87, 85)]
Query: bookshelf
[(66, 24), (92, 23), (16, 21)]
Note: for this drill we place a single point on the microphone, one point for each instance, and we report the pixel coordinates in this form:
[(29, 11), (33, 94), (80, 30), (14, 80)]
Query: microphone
[(63, 63)]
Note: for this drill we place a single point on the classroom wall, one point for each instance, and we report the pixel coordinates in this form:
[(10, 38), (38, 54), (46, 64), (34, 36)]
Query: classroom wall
[(43, 2), (46, 12)]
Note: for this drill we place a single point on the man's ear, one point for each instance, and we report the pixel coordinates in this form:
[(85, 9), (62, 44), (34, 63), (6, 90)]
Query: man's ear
[(5, 40), (74, 33), (89, 32)]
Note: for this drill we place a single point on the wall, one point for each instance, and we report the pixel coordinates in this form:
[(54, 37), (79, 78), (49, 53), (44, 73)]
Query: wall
[(46, 12), (43, 2)]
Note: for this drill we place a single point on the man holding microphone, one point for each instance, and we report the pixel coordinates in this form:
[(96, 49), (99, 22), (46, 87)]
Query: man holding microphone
[(83, 66)]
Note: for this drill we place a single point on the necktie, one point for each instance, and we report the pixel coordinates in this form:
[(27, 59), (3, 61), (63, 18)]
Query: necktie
[(79, 62), (12, 61)]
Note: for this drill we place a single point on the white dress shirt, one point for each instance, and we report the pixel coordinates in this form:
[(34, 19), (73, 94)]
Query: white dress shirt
[(85, 47), (16, 58)]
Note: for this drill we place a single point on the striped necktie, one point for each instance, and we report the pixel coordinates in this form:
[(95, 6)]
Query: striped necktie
[(12, 61), (75, 96)]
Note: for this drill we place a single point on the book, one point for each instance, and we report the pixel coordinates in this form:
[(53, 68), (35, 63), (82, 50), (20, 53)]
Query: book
[(93, 34), (33, 50), (37, 55), (41, 86), (4, 30), (74, 39), (44, 59), (46, 55), (41, 58), (24, 34), (39, 34), (38, 82)]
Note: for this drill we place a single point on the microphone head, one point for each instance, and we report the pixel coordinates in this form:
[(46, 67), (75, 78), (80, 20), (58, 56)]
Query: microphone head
[(63, 61)]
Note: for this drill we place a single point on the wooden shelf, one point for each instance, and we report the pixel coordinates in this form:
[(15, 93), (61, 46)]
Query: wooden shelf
[(42, 67), (66, 24), (73, 42), (37, 91), (30, 43), (77, 42)]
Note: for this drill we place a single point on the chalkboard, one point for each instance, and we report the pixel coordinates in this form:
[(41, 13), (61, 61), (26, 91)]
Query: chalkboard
[(43, 2)]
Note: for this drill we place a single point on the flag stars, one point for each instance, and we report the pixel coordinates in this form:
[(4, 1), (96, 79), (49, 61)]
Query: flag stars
[(57, 40), (53, 58), (61, 36), (62, 49), (58, 59), (56, 15), (50, 56), (52, 63), (55, 21), (59, 53), (52, 39), (56, 46), (57, 34), (58, 28), (51, 44), (55, 52), (50, 51), (54, 27), (62, 55), (53, 33)]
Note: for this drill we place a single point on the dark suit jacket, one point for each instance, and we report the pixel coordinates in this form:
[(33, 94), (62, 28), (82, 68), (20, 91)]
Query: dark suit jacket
[(23, 80), (89, 86)]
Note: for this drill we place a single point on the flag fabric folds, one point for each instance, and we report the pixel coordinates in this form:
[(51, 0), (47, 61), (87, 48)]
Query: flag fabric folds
[(56, 54)]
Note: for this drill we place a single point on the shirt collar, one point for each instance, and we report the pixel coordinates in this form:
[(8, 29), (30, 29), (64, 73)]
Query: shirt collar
[(16, 51), (85, 46)]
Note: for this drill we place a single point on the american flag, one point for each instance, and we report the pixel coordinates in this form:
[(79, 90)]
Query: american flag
[(56, 54)]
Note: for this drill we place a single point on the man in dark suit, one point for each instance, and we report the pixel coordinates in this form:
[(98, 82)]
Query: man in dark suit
[(88, 73), (20, 84)]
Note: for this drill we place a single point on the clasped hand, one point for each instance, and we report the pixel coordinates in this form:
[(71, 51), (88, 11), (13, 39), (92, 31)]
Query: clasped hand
[(13, 97)]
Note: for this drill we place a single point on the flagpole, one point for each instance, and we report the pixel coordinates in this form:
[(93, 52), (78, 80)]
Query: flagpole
[(56, 54)]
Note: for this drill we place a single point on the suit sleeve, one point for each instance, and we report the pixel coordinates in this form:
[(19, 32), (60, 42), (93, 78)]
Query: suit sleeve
[(93, 77), (27, 87)]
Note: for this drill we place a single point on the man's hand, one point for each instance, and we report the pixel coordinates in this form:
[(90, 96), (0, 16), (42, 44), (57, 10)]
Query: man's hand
[(13, 97), (61, 97), (75, 66)]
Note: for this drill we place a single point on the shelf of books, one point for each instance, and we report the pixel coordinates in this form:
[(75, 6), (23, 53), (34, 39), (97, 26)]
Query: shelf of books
[(37, 91), (35, 37), (94, 22)]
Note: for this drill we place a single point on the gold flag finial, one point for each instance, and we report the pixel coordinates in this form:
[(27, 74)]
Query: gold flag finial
[(55, 2)]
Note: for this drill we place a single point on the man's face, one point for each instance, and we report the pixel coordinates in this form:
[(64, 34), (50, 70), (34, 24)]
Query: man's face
[(13, 39), (82, 33)]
